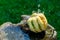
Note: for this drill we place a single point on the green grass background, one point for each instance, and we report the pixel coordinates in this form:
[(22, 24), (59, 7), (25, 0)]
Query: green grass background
[(11, 10)]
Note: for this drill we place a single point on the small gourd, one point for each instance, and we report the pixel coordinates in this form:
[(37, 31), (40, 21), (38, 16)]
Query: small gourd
[(37, 22)]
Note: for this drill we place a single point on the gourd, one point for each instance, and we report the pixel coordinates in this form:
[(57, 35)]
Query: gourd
[(37, 22)]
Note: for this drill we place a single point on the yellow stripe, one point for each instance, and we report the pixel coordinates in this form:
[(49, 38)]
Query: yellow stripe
[(30, 25), (36, 24), (44, 20), (41, 23)]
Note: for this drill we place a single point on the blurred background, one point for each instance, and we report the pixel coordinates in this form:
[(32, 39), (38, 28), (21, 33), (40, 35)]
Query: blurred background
[(11, 11)]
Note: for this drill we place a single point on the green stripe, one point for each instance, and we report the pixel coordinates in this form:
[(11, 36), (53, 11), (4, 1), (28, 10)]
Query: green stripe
[(33, 25), (39, 25)]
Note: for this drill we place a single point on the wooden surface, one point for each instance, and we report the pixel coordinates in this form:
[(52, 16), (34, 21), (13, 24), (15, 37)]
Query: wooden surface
[(44, 35)]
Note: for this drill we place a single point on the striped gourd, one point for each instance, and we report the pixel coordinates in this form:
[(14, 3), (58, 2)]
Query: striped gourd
[(37, 22)]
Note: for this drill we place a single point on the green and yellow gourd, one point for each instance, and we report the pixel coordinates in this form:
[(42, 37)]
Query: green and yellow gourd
[(37, 22)]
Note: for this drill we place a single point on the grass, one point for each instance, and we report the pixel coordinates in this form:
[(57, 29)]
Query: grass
[(11, 10)]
